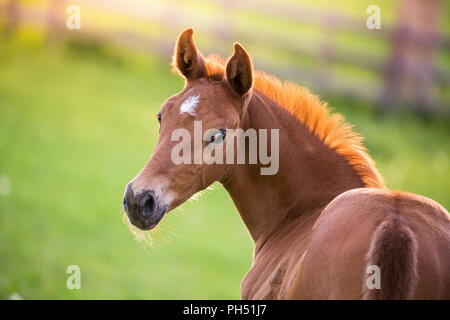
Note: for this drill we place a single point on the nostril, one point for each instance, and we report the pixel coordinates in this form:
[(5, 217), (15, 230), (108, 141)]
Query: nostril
[(128, 197), (149, 206), (124, 204)]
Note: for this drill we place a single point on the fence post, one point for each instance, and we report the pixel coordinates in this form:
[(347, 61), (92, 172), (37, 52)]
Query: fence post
[(11, 16), (55, 20), (409, 70)]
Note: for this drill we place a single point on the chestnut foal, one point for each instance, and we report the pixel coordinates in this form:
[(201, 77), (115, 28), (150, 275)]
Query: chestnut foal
[(324, 225)]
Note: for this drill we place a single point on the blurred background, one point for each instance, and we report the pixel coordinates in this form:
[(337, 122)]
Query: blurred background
[(76, 125)]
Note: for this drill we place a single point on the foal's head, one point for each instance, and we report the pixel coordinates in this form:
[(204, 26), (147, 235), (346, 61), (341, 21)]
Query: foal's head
[(218, 100)]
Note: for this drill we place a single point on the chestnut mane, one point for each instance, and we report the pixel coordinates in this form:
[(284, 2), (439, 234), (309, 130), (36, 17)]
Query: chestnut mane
[(315, 115)]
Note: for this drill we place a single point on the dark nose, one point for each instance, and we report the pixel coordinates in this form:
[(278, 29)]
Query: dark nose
[(140, 207)]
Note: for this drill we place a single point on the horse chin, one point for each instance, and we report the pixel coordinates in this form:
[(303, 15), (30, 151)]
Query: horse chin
[(151, 222), (145, 227)]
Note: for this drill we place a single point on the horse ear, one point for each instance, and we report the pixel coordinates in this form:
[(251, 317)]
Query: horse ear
[(239, 70), (187, 59)]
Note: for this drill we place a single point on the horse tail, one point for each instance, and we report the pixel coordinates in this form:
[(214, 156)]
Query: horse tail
[(394, 251)]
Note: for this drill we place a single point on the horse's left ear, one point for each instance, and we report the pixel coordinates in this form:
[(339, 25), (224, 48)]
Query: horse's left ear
[(187, 60), (239, 71)]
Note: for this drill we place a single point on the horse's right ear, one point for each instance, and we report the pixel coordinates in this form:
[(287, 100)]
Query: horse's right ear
[(186, 59)]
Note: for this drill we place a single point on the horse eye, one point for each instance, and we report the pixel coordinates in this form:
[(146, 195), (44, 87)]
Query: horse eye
[(159, 117), (218, 136)]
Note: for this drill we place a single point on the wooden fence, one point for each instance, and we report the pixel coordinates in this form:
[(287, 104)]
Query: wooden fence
[(406, 73)]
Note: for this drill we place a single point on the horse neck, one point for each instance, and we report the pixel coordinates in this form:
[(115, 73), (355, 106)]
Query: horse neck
[(310, 174)]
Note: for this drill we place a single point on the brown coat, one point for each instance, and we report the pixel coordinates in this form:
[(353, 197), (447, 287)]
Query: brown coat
[(325, 219)]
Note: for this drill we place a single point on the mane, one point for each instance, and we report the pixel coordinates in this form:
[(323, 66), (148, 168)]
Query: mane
[(315, 115)]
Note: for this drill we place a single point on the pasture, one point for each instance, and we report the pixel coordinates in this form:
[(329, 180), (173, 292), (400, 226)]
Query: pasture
[(76, 125)]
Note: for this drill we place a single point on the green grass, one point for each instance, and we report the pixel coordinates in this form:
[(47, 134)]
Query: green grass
[(76, 126), (74, 129)]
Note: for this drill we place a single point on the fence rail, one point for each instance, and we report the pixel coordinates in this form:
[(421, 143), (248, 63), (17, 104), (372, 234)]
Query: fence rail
[(390, 70)]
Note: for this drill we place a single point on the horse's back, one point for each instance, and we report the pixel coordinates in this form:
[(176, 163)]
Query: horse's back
[(406, 234)]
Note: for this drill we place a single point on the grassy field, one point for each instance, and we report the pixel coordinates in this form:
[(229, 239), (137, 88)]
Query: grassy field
[(76, 125)]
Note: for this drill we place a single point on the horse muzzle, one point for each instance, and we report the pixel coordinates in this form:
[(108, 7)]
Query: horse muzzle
[(143, 208)]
